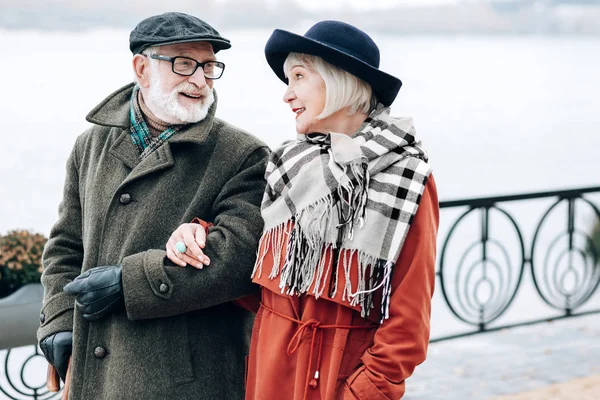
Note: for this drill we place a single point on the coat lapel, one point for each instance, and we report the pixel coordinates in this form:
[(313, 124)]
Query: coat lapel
[(158, 160), (125, 150)]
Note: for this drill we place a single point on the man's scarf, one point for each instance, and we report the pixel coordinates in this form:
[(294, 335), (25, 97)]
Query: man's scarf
[(140, 133), (355, 193)]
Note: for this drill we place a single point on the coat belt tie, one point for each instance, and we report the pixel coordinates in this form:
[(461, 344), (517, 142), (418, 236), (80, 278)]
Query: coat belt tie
[(316, 328)]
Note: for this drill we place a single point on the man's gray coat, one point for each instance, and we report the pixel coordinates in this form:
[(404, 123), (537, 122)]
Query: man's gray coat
[(179, 337)]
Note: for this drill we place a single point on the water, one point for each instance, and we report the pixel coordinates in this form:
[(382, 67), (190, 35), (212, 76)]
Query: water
[(498, 115)]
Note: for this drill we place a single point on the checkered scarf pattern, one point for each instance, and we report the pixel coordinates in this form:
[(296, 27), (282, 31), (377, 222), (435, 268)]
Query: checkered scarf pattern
[(140, 133), (350, 195)]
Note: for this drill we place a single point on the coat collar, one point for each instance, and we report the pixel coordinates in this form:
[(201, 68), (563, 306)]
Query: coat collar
[(114, 112)]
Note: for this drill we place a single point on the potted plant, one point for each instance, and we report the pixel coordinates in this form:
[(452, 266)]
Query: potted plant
[(20, 260)]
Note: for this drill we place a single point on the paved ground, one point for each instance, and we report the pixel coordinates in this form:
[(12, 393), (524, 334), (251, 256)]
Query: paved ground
[(580, 389), (523, 362)]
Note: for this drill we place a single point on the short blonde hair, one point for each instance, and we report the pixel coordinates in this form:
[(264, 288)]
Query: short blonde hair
[(342, 89)]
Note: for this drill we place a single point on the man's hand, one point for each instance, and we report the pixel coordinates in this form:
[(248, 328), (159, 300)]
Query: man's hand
[(98, 291), (57, 349)]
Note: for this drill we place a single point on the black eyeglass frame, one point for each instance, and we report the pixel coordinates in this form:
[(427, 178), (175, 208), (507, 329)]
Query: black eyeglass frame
[(172, 60)]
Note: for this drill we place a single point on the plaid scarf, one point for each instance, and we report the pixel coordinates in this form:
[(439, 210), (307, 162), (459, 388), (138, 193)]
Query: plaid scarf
[(354, 194), (140, 133)]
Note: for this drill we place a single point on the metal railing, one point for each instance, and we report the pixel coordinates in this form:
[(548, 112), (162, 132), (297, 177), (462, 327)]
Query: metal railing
[(21, 389), (480, 282), (22, 369)]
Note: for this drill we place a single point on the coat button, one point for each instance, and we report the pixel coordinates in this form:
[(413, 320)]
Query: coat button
[(125, 198), (100, 352), (42, 318), (163, 288)]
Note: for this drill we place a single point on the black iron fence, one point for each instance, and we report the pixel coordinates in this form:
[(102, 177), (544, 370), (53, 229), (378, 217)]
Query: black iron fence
[(491, 250), (494, 242), (16, 384)]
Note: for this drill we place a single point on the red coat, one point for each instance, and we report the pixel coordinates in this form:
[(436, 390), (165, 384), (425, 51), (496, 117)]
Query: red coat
[(307, 348)]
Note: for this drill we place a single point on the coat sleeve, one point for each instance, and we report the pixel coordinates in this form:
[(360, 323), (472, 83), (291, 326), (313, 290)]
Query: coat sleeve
[(400, 343), (250, 302), (155, 288), (63, 257)]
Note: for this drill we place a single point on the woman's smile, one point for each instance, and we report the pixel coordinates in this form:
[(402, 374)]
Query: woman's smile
[(298, 111)]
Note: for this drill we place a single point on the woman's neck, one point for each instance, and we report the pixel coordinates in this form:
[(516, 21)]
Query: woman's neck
[(341, 122)]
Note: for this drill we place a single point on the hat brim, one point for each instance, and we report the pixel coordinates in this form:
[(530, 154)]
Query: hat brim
[(281, 43), (217, 44)]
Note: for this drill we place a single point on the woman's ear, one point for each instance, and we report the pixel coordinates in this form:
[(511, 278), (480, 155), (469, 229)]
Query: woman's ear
[(141, 70)]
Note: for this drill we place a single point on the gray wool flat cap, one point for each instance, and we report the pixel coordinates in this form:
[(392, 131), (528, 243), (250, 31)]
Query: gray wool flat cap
[(173, 28)]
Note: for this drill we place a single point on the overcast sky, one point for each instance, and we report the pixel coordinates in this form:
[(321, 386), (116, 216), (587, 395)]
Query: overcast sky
[(411, 16)]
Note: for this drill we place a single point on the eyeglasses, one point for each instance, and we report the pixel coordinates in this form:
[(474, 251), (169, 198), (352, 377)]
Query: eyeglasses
[(186, 66)]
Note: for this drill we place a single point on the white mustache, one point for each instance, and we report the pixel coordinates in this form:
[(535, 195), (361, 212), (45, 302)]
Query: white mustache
[(190, 88)]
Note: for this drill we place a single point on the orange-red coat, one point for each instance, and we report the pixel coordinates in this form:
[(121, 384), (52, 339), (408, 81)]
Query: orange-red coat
[(307, 348)]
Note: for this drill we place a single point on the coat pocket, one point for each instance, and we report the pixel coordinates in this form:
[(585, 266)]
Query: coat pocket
[(179, 358), (363, 388)]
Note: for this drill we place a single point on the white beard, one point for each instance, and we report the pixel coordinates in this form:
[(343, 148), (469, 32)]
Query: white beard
[(165, 105)]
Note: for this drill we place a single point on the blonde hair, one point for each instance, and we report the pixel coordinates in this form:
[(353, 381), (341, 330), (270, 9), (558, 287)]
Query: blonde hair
[(342, 89)]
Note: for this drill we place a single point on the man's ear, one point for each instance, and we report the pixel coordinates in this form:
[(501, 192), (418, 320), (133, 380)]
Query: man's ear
[(141, 69)]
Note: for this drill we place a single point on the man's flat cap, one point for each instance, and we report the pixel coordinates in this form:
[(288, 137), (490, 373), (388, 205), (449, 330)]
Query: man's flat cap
[(173, 28)]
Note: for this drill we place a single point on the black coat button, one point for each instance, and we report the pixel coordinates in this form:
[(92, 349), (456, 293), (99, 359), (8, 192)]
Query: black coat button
[(100, 352), (125, 198), (42, 318), (164, 288)]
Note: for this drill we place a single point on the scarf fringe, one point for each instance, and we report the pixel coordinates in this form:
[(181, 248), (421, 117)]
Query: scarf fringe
[(353, 194), (308, 262)]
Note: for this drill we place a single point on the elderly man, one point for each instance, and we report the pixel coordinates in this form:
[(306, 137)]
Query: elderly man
[(155, 157)]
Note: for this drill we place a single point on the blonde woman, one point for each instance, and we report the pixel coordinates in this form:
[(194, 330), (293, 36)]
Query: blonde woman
[(346, 259)]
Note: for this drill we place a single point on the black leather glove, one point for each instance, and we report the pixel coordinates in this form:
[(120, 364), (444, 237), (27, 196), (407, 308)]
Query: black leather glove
[(98, 291), (57, 349)]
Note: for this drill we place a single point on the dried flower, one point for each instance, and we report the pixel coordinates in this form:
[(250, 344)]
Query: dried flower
[(20, 260)]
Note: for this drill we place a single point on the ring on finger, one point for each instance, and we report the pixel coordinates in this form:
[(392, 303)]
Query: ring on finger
[(181, 247)]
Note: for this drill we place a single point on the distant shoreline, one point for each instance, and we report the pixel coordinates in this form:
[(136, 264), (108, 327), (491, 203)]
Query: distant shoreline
[(547, 18)]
